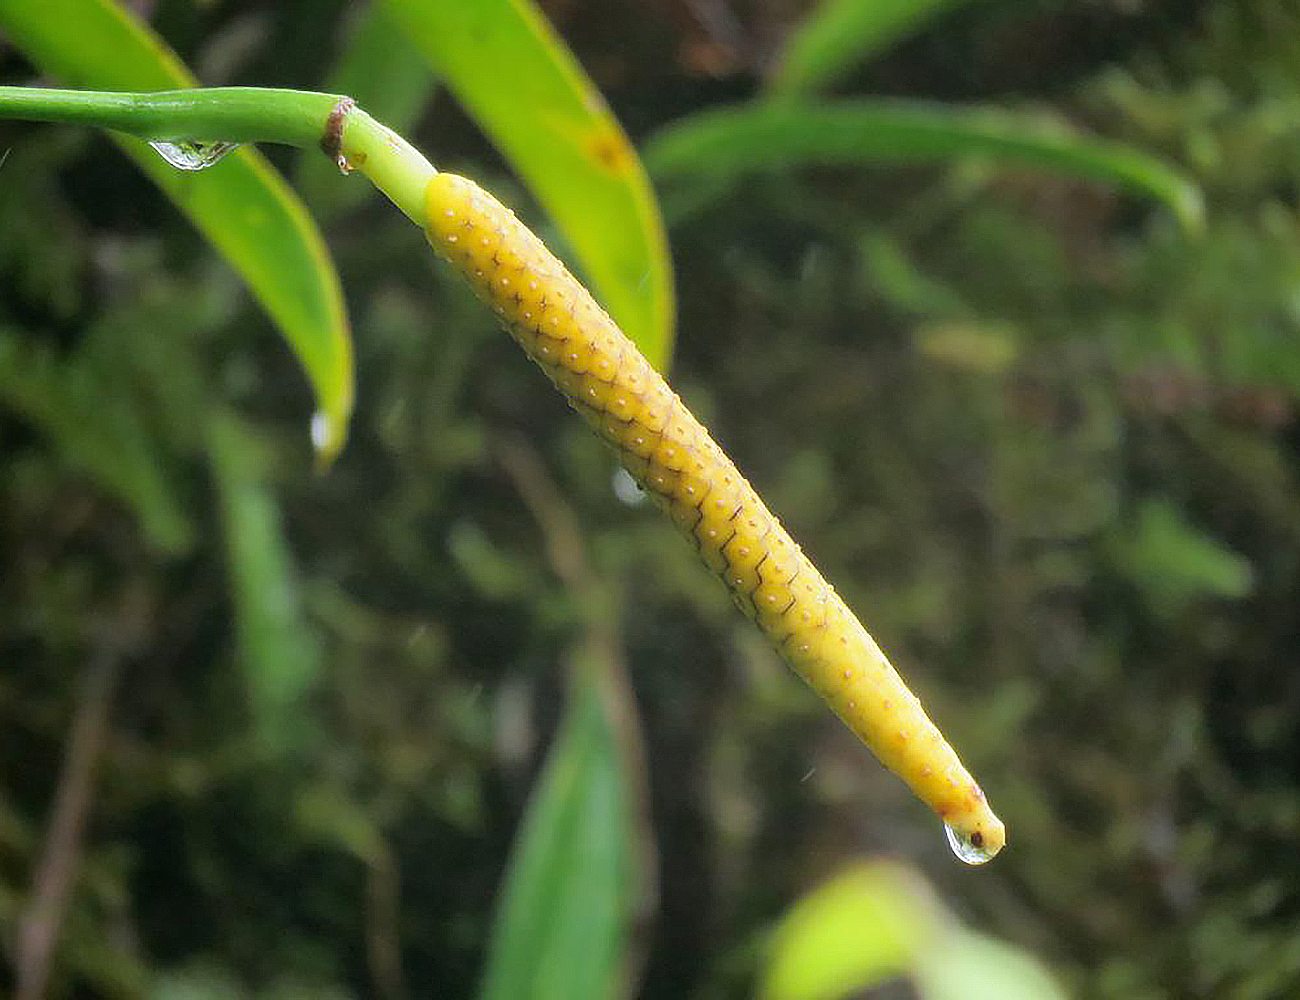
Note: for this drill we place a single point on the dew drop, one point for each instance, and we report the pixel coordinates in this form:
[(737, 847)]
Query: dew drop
[(320, 430), (191, 154), (626, 488), (965, 850)]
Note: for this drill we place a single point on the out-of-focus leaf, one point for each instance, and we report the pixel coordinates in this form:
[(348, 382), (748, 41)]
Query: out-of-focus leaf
[(42, 248), (381, 70), (841, 34), (853, 933), (494, 573), (970, 966), (880, 921), (506, 65), (197, 982), (326, 811), (101, 433), (902, 283), (279, 654), (728, 142), (561, 926), (203, 980), (241, 204), (1175, 563), (974, 346)]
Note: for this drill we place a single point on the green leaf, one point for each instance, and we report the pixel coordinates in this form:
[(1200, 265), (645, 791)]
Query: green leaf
[(880, 921), (385, 74), (513, 74), (726, 143), (852, 933), (841, 34), (902, 283), (969, 966), (325, 811), (241, 205), (204, 979), (974, 345), (197, 981), (561, 926), (279, 654), (1175, 563)]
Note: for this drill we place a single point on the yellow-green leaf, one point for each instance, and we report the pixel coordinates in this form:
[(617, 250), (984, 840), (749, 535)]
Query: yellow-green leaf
[(970, 966), (241, 204), (514, 75), (854, 932), (880, 921)]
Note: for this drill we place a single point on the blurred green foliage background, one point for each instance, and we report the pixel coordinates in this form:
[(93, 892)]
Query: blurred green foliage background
[(1041, 435)]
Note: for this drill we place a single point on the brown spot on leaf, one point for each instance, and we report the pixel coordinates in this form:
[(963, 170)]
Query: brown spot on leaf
[(611, 151)]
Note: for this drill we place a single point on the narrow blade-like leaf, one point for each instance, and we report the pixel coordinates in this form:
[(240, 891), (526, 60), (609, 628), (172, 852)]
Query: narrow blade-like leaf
[(720, 145), (561, 927), (841, 34), (279, 655), (514, 75), (241, 204)]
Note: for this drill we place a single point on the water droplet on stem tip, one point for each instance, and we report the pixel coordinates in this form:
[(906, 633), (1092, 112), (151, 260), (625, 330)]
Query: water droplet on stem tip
[(962, 846)]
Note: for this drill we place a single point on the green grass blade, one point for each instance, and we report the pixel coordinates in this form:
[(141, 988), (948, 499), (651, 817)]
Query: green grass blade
[(561, 926), (514, 75), (842, 34), (721, 145), (241, 205), (388, 77), (278, 653)]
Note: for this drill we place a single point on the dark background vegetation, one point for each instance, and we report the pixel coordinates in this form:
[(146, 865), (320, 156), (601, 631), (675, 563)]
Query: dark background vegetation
[(1045, 442)]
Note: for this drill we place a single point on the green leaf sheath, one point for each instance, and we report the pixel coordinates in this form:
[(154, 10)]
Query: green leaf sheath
[(672, 456)]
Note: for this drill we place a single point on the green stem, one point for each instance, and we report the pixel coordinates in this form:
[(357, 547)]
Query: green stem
[(393, 165), (239, 114), (227, 114)]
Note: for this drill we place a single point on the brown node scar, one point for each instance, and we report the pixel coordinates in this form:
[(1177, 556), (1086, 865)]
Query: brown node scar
[(331, 142)]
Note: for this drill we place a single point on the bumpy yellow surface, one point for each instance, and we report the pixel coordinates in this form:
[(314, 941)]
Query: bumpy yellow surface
[(675, 460)]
